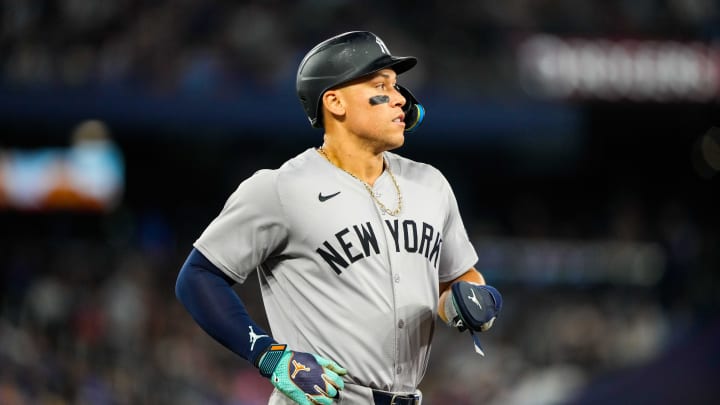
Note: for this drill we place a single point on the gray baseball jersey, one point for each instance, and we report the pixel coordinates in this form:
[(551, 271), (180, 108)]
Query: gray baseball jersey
[(339, 277)]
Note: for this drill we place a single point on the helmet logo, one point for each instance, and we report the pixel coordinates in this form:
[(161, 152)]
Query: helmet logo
[(382, 46)]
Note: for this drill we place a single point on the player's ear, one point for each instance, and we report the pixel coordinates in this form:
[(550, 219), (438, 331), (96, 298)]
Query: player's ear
[(333, 103)]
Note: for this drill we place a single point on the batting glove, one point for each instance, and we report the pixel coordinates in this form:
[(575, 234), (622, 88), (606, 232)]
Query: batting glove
[(305, 378)]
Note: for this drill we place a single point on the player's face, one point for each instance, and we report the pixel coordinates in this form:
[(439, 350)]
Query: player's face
[(373, 110)]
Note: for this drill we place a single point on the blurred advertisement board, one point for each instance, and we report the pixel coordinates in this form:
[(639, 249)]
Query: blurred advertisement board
[(89, 175)]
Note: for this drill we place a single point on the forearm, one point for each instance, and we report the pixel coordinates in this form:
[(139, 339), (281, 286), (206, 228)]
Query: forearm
[(471, 276), (207, 294)]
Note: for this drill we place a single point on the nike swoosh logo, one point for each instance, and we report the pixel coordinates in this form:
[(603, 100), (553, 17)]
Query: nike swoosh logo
[(323, 198)]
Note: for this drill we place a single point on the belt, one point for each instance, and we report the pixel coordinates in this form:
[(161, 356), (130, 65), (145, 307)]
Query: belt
[(389, 398)]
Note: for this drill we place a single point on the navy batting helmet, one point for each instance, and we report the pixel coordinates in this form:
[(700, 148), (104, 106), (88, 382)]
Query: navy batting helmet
[(346, 57)]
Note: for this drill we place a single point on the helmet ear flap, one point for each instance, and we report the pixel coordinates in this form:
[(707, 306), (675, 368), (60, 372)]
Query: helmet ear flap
[(414, 111)]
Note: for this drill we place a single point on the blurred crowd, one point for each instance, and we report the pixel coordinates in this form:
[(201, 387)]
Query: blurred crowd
[(223, 48), (93, 325)]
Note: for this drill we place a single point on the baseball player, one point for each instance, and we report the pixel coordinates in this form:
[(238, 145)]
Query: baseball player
[(357, 249)]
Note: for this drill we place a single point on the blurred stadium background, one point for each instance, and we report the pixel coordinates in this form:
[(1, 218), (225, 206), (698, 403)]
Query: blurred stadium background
[(580, 138)]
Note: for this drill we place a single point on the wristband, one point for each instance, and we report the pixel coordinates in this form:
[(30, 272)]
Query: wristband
[(270, 359)]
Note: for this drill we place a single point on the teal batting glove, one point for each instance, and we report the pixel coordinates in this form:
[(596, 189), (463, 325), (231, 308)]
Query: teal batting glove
[(306, 378)]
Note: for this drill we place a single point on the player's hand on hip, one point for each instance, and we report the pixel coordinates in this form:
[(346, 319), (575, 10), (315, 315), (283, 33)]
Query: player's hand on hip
[(470, 306), (305, 378)]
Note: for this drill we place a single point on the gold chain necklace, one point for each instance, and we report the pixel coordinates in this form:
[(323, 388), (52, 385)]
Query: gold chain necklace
[(369, 189)]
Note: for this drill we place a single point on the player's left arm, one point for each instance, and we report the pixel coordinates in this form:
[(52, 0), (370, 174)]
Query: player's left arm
[(471, 276), (467, 302)]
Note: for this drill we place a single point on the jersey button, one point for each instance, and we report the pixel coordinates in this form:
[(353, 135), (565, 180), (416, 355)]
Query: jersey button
[(399, 369), (401, 323), (397, 279)]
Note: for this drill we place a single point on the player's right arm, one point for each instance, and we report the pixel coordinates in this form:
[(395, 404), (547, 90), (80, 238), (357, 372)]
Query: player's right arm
[(250, 227), (207, 294)]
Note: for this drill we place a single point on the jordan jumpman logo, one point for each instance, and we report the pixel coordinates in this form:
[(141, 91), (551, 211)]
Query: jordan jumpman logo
[(254, 337)]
